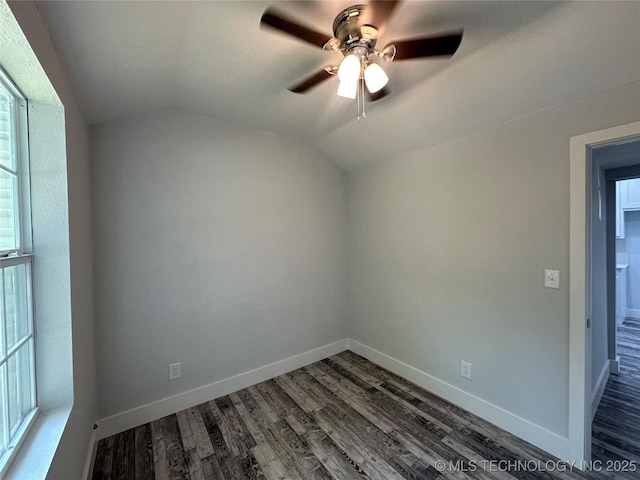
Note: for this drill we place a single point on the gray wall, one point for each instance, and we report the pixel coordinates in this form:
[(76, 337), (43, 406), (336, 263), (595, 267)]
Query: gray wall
[(217, 246), (448, 245)]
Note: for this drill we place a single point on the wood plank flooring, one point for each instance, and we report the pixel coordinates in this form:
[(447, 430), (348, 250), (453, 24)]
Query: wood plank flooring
[(340, 418), (616, 425)]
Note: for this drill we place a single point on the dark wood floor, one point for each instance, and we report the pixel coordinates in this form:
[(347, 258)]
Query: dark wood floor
[(616, 426), (341, 418)]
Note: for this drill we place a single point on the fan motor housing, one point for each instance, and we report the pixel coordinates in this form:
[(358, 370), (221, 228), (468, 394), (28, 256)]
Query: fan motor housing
[(351, 31)]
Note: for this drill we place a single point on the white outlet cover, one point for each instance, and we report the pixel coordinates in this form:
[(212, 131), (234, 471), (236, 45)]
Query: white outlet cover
[(552, 278)]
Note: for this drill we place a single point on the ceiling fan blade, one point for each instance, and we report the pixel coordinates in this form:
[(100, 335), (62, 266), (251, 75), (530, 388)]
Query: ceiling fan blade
[(372, 97), (311, 81), (380, 11), (427, 47), (274, 20)]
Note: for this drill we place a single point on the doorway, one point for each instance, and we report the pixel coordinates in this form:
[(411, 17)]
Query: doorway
[(614, 339), (586, 297)]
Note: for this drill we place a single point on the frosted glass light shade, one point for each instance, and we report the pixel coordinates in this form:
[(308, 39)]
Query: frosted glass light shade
[(348, 88), (374, 77), (349, 69)]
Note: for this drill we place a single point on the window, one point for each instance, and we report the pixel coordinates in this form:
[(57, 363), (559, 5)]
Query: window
[(17, 366)]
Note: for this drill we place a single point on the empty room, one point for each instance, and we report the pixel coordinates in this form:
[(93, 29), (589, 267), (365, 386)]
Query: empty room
[(316, 239)]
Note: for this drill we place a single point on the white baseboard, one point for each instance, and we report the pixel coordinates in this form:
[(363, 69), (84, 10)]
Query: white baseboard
[(632, 312), (146, 413), (596, 395), (531, 432), (615, 365)]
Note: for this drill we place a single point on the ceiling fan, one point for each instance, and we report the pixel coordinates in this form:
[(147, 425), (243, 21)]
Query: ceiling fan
[(355, 34)]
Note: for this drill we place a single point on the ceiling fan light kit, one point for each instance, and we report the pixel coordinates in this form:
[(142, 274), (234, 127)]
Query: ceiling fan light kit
[(347, 89), (355, 34), (374, 77), (349, 69)]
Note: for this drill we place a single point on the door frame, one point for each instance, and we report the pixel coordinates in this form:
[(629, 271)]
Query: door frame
[(580, 168)]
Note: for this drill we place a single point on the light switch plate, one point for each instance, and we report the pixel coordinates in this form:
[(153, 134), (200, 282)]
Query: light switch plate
[(174, 371), (465, 369), (552, 278)]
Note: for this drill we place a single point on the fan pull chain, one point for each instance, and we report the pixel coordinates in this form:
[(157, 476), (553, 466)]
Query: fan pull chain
[(360, 100), (362, 92)]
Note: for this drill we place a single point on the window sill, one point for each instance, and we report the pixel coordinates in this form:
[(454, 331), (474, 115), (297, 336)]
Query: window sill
[(36, 453)]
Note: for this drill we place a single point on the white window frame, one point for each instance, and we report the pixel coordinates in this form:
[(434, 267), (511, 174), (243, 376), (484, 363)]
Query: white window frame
[(20, 255)]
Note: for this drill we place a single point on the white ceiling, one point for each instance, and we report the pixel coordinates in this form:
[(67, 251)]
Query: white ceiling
[(516, 58)]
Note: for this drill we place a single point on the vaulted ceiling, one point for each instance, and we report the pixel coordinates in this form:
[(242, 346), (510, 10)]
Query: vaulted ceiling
[(516, 58)]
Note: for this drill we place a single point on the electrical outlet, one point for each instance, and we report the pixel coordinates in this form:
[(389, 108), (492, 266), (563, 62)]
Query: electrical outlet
[(465, 369), (174, 371)]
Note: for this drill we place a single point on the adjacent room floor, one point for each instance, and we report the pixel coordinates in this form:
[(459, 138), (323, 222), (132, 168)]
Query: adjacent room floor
[(616, 426), (341, 418)]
